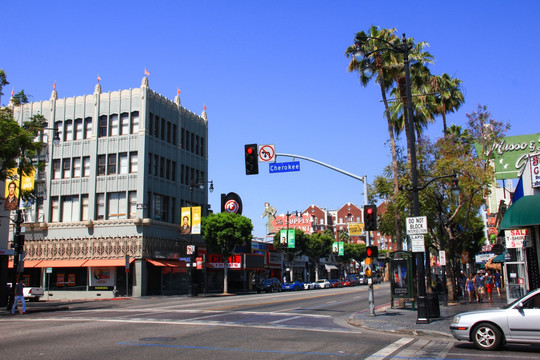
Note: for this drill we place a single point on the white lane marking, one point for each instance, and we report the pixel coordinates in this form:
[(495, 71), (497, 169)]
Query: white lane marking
[(411, 350), (384, 352), (285, 319)]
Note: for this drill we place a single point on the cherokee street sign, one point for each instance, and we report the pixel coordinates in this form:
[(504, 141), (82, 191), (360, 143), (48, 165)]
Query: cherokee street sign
[(284, 167)]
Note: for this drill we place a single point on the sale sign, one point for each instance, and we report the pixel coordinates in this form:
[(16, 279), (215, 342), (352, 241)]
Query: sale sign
[(517, 238)]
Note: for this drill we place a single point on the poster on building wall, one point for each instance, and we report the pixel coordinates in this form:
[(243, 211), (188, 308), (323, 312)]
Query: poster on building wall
[(196, 220), (102, 276), (355, 229), (185, 227)]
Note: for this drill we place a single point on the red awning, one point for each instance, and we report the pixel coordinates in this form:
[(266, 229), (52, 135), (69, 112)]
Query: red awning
[(62, 263), (27, 264), (165, 262), (107, 262)]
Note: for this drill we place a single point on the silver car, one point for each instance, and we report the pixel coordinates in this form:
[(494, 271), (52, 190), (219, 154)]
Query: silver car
[(518, 322)]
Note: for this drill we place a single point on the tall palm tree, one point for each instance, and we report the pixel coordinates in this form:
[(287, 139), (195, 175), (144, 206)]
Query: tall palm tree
[(383, 62), (448, 97)]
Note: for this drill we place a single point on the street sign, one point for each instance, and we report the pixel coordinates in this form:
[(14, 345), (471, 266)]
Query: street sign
[(442, 257), (417, 225), (267, 153), (190, 249), (284, 167), (417, 243), (518, 238)]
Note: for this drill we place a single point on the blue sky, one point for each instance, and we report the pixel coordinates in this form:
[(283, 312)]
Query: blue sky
[(274, 72)]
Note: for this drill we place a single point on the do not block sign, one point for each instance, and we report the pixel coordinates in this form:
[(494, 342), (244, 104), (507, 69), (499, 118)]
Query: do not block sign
[(417, 225)]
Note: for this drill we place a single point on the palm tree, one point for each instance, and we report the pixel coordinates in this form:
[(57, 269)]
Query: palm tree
[(448, 98), (385, 63)]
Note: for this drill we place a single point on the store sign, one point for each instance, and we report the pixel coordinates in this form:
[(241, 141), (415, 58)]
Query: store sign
[(102, 276), (518, 238), (511, 154), (535, 170)]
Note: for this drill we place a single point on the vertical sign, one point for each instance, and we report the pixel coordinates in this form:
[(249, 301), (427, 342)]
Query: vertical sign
[(196, 220), (185, 227), (291, 240)]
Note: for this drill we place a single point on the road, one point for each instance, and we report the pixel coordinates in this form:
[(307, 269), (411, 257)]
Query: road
[(297, 325)]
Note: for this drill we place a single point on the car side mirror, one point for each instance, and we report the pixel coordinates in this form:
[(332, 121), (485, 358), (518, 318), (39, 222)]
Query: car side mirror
[(519, 306)]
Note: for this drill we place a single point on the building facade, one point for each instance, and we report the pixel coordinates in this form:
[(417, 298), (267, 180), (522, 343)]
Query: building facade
[(106, 216)]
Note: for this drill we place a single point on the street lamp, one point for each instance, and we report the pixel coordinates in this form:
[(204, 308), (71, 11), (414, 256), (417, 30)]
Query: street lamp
[(193, 185), (403, 48)]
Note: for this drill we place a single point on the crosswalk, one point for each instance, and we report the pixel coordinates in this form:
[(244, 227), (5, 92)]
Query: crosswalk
[(413, 348)]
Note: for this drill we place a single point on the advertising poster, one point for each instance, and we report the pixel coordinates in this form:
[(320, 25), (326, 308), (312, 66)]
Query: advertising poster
[(196, 220), (185, 227), (102, 277), (291, 242)]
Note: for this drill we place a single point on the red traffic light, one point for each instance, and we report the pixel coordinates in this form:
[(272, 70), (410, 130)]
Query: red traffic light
[(369, 252), (369, 211), (249, 150)]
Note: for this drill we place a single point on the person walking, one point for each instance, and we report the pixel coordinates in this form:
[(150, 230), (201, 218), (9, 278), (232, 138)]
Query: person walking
[(489, 285), (479, 285), (497, 280), (19, 296), (470, 287)]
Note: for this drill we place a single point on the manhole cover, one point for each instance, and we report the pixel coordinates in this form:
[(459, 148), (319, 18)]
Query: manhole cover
[(158, 339)]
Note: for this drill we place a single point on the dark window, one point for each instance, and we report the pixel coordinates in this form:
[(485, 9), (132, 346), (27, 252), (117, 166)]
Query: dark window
[(150, 163), (111, 163), (174, 137), (163, 128), (101, 165), (102, 126), (156, 127), (168, 132), (162, 168)]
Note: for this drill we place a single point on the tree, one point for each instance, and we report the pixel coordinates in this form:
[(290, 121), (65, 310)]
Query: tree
[(222, 233), (3, 82), (20, 98), (318, 245), (447, 98)]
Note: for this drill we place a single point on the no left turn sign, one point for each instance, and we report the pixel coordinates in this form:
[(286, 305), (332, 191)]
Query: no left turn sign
[(267, 153)]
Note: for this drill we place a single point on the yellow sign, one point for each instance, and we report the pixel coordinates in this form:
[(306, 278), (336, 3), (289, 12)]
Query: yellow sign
[(368, 272), (368, 261), (196, 220), (356, 228), (185, 226)]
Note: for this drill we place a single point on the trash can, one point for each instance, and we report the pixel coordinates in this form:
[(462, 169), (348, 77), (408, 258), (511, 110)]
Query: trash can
[(432, 300)]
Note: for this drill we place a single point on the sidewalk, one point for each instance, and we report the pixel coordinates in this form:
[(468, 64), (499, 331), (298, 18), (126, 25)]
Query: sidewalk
[(403, 321)]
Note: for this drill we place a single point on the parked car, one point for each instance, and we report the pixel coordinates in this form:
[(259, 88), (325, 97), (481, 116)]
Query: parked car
[(292, 286), (347, 282), (269, 285), (362, 280), (31, 293), (516, 322), (335, 283), (322, 284), (309, 285)]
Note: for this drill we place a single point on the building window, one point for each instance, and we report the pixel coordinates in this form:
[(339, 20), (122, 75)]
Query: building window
[(117, 206), (124, 124), (57, 173), (113, 123), (133, 162), (169, 132), (162, 168), (173, 171), (78, 129), (150, 157), (134, 122), (111, 164), (168, 170), (66, 168), (86, 166), (55, 209), (197, 145), (102, 126), (174, 135), (202, 146), (156, 126), (101, 165), (40, 215), (70, 208), (187, 140), (68, 130), (160, 207), (76, 167), (163, 128), (183, 139), (100, 206), (123, 162), (156, 165), (192, 142), (132, 198), (88, 128), (85, 206)]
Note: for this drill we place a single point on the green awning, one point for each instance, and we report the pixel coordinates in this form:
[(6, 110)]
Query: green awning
[(523, 213)]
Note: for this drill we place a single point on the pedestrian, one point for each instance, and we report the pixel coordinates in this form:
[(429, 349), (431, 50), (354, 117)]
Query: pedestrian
[(470, 287), (462, 282), (489, 285), (497, 280), (19, 296), (479, 285)]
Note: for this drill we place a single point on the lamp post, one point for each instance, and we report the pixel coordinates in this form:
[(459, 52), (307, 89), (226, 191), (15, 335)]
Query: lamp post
[(195, 184)]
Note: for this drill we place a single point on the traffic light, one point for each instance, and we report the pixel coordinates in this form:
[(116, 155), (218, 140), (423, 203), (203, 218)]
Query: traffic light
[(372, 251), (18, 244), (370, 217), (252, 159)]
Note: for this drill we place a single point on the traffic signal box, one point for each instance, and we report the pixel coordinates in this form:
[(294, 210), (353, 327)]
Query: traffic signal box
[(252, 159), (18, 244), (372, 253), (370, 217)]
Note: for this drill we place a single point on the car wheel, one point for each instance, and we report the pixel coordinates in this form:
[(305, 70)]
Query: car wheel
[(486, 337)]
